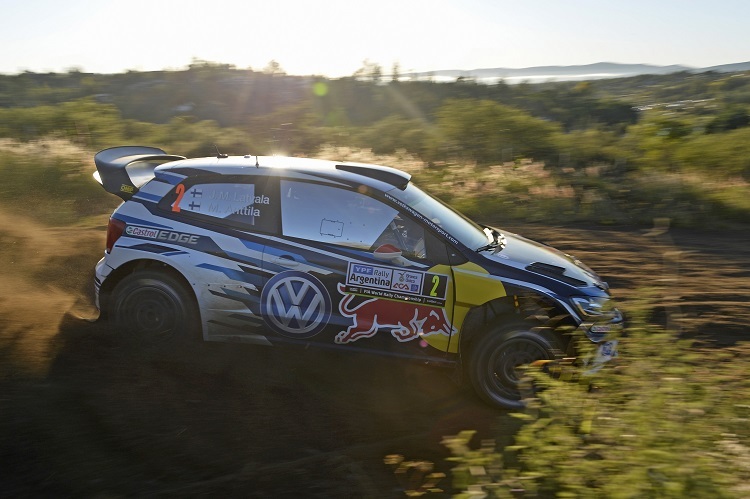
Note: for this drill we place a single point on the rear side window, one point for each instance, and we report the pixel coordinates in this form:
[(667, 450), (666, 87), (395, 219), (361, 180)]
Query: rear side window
[(249, 205)]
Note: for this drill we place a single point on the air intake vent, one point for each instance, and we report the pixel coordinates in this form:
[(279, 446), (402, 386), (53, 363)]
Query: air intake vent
[(554, 272)]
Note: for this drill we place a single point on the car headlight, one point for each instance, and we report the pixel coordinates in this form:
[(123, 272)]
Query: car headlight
[(593, 307), (600, 317)]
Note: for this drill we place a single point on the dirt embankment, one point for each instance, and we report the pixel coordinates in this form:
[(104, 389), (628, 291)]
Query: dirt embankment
[(81, 414)]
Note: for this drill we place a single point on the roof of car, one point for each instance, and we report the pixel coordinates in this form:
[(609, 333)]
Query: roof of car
[(254, 165)]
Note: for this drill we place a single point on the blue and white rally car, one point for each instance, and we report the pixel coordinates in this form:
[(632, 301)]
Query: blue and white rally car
[(274, 250)]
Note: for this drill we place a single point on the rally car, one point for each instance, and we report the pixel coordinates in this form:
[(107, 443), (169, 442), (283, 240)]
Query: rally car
[(275, 250)]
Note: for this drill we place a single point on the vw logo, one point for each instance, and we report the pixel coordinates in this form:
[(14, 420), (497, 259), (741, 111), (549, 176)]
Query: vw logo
[(295, 304)]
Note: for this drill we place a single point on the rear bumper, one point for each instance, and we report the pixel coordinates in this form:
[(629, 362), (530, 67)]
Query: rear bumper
[(101, 271)]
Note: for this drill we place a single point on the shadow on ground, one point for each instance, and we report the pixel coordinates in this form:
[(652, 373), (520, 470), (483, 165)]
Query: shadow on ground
[(111, 419)]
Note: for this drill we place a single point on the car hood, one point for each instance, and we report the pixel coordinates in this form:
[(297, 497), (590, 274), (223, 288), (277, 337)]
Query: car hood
[(541, 259)]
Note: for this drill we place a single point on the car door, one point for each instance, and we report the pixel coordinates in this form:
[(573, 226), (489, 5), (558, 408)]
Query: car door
[(351, 271)]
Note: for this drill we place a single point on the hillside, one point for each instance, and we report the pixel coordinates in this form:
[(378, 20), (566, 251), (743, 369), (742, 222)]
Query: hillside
[(600, 151)]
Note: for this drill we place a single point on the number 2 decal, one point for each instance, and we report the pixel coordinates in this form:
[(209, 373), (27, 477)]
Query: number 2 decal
[(435, 284), (180, 190)]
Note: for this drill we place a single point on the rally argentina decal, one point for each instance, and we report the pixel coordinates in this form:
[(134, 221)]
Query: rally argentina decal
[(409, 303), (397, 284), (295, 304)]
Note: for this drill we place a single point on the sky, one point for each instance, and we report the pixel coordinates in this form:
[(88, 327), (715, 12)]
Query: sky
[(334, 37)]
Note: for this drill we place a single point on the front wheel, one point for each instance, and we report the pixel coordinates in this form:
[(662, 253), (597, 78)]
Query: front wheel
[(154, 307), (496, 359)]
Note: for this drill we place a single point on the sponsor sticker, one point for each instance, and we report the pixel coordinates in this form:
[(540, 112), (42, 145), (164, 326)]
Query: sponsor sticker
[(161, 235), (406, 321), (424, 219), (396, 284), (136, 231)]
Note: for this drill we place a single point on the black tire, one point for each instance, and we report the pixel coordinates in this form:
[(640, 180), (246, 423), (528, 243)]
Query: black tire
[(153, 307), (495, 359)]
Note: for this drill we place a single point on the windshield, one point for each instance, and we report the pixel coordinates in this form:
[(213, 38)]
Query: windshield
[(454, 224)]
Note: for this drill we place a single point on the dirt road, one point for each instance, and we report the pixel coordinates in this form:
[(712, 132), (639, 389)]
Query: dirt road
[(83, 415)]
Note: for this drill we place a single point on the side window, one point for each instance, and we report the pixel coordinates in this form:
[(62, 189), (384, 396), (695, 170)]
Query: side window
[(329, 214), (244, 204)]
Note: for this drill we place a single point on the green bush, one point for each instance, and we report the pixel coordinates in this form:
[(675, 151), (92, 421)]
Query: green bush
[(666, 421), (489, 132)]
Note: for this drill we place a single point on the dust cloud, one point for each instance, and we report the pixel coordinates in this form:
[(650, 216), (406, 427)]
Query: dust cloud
[(47, 273)]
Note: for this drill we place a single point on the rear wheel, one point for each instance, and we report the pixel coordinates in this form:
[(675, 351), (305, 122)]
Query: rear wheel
[(496, 359), (152, 306)]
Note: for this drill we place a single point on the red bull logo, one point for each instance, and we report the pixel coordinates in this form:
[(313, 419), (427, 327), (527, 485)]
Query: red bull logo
[(406, 320)]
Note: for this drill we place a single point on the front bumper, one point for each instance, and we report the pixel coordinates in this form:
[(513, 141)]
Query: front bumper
[(603, 332), (601, 328)]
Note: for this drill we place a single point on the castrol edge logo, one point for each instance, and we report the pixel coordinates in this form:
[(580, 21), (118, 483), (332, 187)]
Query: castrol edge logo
[(161, 235)]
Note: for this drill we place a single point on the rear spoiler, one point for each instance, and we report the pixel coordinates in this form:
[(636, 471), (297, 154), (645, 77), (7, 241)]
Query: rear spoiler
[(123, 170)]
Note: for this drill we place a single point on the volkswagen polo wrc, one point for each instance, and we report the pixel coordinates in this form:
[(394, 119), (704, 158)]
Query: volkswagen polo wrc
[(277, 250)]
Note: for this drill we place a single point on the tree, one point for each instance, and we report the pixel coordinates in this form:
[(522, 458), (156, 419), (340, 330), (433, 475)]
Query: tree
[(393, 133), (489, 132), (369, 71), (731, 118), (273, 68)]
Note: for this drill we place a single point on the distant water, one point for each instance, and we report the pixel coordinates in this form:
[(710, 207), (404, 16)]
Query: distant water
[(530, 79)]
